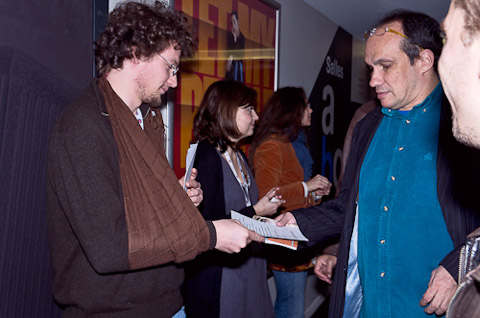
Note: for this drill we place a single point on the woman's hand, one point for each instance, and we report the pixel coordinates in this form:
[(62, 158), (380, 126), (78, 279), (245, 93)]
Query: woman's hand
[(193, 188), (269, 203), (319, 184)]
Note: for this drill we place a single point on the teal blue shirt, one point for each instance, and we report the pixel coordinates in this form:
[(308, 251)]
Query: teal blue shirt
[(402, 235)]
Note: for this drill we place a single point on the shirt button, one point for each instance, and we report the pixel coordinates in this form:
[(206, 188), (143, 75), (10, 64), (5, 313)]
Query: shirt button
[(385, 208), (382, 241), (424, 110), (400, 149), (407, 121), (382, 274), (393, 178)]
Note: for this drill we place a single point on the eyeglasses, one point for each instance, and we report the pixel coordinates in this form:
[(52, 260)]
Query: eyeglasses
[(380, 32), (175, 69), (443, 36)]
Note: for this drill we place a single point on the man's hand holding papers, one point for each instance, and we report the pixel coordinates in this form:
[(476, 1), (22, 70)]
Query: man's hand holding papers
[(286, 236)]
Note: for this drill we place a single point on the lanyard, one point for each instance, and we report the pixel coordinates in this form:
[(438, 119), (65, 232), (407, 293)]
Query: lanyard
[(244, 184)]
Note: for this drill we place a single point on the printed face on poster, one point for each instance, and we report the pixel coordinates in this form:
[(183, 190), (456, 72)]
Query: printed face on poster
[(236, 40)]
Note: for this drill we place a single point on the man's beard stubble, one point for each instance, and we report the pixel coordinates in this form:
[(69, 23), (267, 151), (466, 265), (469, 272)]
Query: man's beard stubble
[(153, 99), (465, 135)]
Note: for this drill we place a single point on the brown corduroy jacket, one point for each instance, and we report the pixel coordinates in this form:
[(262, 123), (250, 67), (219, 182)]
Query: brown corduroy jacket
[(276, 165)]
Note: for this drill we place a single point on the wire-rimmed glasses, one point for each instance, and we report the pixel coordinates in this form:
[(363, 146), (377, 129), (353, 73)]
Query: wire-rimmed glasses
[(380, 32), (175, 69)]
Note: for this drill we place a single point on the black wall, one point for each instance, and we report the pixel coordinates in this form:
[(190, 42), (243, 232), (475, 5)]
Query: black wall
[(45, 60)]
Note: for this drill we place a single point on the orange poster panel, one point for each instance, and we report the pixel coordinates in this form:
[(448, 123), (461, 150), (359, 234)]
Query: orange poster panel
[(236, 40)]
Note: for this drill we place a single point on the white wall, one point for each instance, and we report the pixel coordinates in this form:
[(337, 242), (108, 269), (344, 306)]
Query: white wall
[(112, 4), (305, 37)]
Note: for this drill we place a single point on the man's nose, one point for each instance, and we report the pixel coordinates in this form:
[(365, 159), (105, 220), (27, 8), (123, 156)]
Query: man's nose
[(375, 79), (172, 81)]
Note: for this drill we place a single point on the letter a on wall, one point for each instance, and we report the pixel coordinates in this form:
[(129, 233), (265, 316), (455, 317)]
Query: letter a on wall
[(332, 107)]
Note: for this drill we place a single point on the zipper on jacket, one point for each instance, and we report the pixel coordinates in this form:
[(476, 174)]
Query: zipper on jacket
[(459, 288), (461, 264)]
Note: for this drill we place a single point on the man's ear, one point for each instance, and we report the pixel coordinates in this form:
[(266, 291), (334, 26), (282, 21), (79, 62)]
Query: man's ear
[(134, 56), (426, 58)]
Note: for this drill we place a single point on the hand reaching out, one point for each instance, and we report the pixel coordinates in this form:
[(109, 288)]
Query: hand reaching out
[(319, 184), (232, 236), (285, 218), (266, 206), (324, 266)]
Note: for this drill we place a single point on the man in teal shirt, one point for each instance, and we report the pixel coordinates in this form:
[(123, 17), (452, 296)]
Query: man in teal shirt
[(397, 228), (401, 224)]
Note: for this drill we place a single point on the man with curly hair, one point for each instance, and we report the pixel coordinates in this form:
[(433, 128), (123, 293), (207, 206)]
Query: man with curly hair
[(119, 222)]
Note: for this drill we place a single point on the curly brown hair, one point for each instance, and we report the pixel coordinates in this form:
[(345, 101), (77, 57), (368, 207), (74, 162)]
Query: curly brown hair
[(148, 28), (215, 121)]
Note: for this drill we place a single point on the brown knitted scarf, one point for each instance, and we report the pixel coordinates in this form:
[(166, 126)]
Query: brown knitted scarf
[(163, 224)]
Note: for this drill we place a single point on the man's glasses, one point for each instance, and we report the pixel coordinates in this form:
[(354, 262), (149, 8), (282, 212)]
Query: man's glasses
[(382, 31), (443, 36), (175, 69)]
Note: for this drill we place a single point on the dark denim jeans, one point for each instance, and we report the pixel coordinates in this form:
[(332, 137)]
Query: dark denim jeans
[(290, 302)]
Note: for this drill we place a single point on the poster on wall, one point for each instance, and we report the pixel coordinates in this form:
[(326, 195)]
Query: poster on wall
[(236, 40), (332, 107)]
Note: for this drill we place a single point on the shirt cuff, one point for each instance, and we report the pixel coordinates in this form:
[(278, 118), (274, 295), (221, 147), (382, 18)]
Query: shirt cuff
[(305, 189), (213, 234)]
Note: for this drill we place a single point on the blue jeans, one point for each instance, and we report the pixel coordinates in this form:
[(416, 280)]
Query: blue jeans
[(180, 313), (290, 302)]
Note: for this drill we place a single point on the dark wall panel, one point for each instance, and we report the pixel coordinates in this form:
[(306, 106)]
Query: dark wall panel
[(45, 60), (56, 33)]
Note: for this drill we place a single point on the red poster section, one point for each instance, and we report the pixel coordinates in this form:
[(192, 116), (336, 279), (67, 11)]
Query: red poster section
[(213, 26)]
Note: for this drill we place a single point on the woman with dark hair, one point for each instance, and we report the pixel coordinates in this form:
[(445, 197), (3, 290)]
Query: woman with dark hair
[(280, 157), (220, 285)]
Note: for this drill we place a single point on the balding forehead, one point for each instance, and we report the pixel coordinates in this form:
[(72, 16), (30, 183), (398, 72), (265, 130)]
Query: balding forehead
[(383, 49)]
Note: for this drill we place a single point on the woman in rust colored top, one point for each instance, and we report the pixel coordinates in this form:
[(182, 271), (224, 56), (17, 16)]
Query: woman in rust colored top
[(280, 157)]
